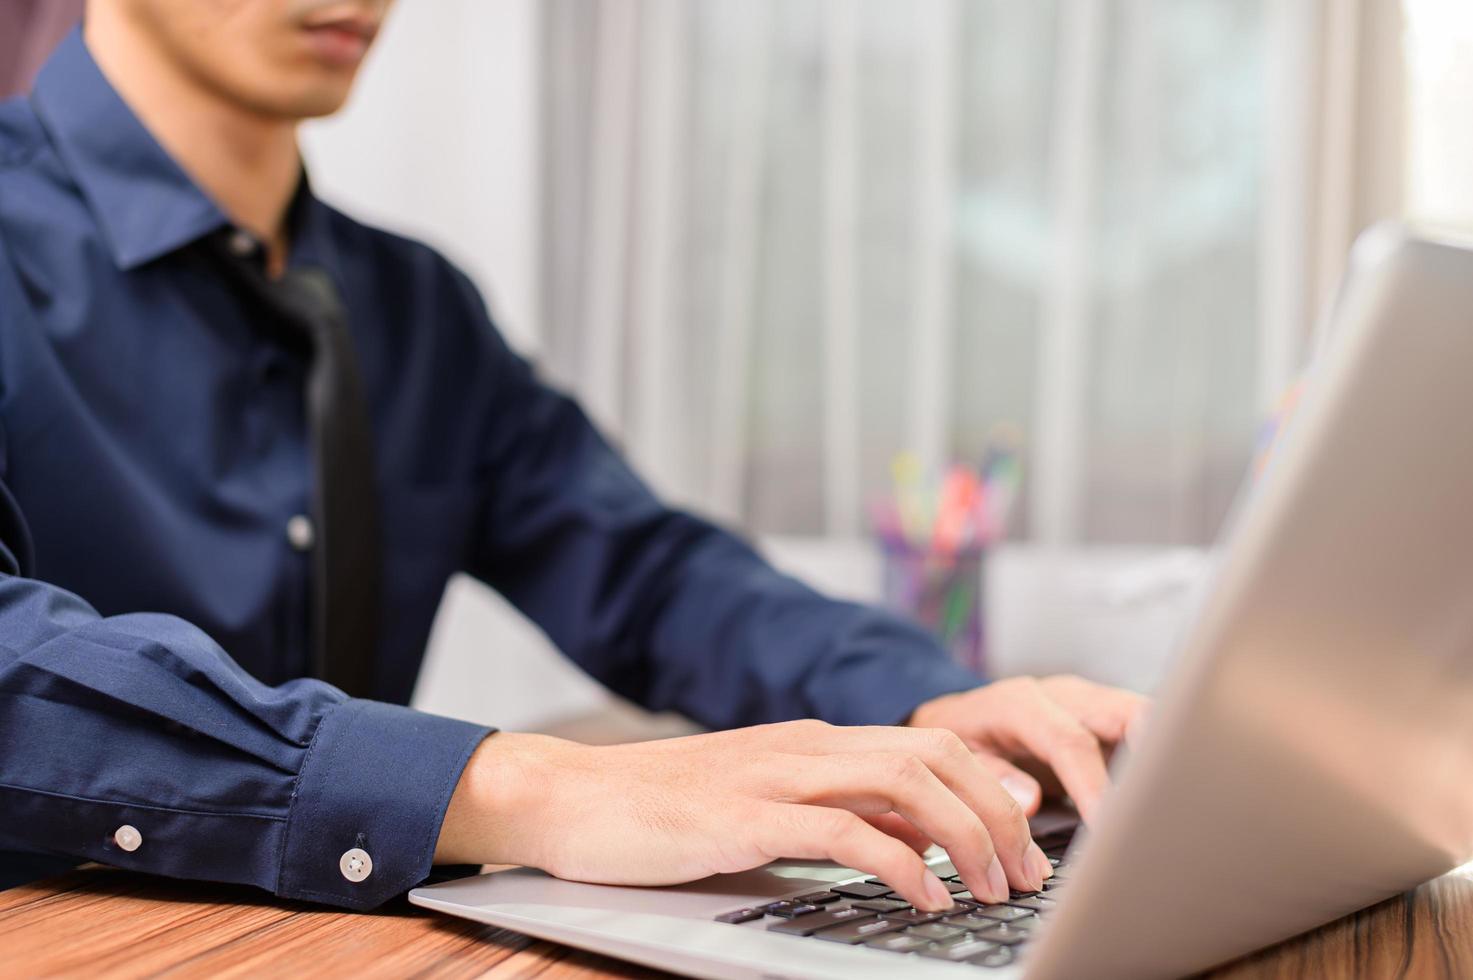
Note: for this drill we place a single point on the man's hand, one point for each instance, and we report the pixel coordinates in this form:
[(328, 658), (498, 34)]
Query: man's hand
[(677, 810), (1063, 726)]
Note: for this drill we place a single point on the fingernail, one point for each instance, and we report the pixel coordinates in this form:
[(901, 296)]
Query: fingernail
[(937, 893), (997, 881), (1022, 790), (1038, 864)]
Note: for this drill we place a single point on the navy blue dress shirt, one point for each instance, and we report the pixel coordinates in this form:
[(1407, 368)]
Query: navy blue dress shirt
[(154, 642)]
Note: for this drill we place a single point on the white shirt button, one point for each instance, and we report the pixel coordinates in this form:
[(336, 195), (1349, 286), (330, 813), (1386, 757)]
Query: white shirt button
[(300, 533), (127, 837), (242, 243), (355, 864)]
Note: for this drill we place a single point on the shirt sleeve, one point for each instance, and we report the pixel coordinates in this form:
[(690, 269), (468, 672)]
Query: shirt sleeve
[(142, 721), (663, 607)]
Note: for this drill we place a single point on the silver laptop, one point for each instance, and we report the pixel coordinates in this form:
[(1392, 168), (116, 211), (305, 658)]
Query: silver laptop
[(1310, 754)]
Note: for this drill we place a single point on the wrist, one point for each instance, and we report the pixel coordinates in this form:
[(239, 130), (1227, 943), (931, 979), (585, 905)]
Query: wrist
[(495, 815)]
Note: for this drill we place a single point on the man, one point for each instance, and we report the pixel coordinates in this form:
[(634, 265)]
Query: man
[(246, 440)]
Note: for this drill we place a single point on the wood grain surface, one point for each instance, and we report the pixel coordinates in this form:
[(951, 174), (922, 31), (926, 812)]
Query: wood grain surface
[(101, 922)]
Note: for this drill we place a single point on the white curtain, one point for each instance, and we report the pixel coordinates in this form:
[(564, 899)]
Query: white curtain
[(785, 239)]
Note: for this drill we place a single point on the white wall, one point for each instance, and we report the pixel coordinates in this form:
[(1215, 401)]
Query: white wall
[(440, 142)]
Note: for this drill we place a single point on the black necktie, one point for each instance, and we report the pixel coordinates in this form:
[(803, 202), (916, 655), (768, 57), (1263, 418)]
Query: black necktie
[(305, 305)]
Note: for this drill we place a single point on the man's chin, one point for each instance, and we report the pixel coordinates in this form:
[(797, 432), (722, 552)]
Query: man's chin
[(322, 105), (306, 101)]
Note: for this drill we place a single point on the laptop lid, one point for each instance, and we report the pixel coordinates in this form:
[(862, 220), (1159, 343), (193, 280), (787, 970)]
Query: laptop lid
[(1312, 752)]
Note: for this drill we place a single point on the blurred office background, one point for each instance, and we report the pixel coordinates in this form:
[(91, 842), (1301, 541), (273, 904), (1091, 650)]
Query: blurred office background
[(771, 243)]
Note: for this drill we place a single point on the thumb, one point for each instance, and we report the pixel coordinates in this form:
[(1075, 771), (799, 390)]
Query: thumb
[(1020, 786)]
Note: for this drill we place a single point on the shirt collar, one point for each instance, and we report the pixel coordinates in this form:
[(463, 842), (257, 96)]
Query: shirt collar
[(309, 229), (145, 204)]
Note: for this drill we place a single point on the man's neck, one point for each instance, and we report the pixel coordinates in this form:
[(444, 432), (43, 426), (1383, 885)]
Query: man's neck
[(245, 161)]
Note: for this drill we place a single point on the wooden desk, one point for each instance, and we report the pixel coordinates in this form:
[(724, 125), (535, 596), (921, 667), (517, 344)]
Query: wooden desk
[(99, 922)]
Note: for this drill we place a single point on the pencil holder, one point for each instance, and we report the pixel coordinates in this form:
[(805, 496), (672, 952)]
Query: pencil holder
[(942, 591)]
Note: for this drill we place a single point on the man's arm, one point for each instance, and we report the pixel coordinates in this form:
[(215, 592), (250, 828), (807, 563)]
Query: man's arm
[(675, 613), (142, 721)]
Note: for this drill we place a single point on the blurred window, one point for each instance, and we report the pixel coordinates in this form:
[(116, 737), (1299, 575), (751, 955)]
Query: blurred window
[(872, 226)]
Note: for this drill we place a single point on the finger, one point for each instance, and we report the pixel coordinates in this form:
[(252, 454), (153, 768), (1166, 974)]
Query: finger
[(1059, 740), (901, 829), (1020, 786), (1108, 712), (957, 767), (794, 830), (880, 782)]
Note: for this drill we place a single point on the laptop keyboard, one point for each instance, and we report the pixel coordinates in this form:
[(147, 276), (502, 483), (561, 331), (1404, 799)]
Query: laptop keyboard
[(869, 913)]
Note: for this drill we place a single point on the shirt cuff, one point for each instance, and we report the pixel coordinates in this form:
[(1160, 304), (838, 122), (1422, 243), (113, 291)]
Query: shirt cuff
[(369, 801)]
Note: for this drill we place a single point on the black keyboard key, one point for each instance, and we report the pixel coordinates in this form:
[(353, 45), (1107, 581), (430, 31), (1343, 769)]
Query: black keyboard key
[(807, 925), (935, 931), (955, 886), (790, 910), (914, 917), (995, 957), (858, 932), (945, 870), (1055, 842), (817, 898), (1004, 913), (882, 905), (959, 951), (1038, 903), (967, 902), (952, 940), (1018, 893), (898, 942), (970, 922), (861, 889), (740, 915), (1005, 934), (1051, 885)]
